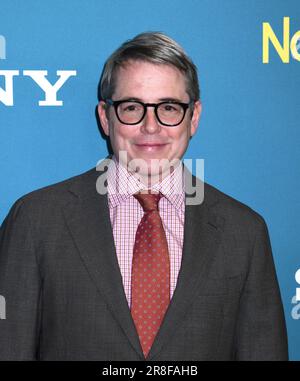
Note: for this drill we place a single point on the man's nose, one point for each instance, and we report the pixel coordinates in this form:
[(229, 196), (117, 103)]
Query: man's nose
[(150, 123)]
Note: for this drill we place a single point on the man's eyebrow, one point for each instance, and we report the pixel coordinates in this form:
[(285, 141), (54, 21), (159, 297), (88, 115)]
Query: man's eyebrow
[(168, 99), (130, 99)]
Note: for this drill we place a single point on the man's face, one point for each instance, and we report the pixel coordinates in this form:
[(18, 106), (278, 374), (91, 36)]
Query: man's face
[(148, 140)]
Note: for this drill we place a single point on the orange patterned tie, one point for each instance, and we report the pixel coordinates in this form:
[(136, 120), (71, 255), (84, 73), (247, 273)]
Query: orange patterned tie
[(150, 277)]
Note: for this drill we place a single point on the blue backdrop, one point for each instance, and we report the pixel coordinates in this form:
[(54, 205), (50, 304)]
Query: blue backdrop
[(249, 134)]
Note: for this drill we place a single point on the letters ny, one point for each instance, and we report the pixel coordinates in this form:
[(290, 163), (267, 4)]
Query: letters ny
[(39, 77)]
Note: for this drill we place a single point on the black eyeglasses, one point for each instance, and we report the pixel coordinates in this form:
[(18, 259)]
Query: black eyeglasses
[(170, 113)]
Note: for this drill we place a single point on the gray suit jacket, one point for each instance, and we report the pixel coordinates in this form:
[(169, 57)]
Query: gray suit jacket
[(63, 288)]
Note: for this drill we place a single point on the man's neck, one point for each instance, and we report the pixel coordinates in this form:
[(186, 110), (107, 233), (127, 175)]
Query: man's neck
[(152, 179)]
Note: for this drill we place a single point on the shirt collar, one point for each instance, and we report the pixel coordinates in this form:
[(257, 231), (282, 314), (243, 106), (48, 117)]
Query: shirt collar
[(122, 184)]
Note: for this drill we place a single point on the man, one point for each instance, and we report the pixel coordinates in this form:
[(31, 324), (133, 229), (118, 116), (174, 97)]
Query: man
[(117, 263)]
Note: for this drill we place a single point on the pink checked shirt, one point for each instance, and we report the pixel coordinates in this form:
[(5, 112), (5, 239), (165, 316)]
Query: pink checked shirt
[(126, 213)]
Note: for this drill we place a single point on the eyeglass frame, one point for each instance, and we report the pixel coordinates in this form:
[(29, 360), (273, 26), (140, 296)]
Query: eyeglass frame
[(116, 104)]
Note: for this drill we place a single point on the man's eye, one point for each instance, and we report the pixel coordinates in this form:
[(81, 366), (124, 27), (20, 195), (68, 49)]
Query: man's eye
[(130, 107), (170, 108)]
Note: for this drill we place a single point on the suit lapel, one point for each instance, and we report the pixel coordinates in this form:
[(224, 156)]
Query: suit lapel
[(89, 223)]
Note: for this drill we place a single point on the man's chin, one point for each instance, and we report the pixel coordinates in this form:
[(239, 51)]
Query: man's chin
[(154, 170)]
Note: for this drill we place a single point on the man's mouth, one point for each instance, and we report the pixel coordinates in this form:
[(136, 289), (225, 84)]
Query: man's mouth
[(150, 146)]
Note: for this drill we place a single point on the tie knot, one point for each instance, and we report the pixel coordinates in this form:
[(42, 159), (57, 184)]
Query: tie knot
[(148, 201)]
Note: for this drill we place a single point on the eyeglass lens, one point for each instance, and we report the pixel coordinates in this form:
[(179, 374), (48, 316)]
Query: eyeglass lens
[(167, 113)]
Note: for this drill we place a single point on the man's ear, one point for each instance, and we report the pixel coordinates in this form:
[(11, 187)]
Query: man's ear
[(196, 117), (102, 112)]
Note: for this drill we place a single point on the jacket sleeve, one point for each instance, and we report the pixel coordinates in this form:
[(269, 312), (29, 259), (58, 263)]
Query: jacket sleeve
[(261, 331), (20, 287)]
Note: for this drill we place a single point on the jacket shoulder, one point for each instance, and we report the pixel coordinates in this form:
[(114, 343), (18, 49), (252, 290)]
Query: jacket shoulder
[(60, 189), (51, 197), (231, 209)]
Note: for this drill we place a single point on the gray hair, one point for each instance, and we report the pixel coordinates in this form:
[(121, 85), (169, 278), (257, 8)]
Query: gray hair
[(154, 47)]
